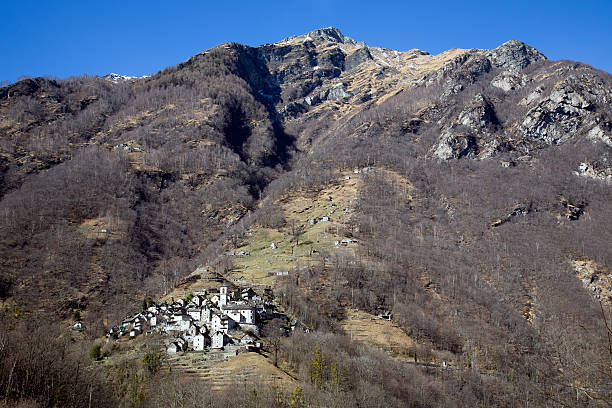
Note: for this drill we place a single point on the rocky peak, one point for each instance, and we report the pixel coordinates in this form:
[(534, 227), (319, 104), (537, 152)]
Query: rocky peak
[(330, 34), (514, 55), (321, 35)]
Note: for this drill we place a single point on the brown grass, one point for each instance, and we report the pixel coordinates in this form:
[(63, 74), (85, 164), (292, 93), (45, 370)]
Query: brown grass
[(371, 330)]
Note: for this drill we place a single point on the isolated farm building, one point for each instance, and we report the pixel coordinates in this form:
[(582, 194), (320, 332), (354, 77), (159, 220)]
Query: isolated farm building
[(386, 315)]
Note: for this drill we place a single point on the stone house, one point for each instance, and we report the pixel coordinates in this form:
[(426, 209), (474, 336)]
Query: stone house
[(206, 315), (200, 341), (195, 313), (173, 348), (247, 339), (248, 294), (240, 313), (198, 300), (222, 323), (191, 332), (219, 340)]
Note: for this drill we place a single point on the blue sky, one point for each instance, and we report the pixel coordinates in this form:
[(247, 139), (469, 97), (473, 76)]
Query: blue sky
[(65, 38)]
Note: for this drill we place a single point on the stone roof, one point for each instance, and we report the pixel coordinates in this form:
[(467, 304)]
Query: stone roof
[(238, 307)]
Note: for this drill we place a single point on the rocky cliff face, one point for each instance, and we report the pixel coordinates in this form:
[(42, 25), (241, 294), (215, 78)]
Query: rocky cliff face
[(324, 74)]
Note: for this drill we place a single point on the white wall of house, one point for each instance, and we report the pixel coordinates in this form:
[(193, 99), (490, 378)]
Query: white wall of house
[(218, 340), (248, 315), (206, 315), (199, 342), (218, 323), (195, 314), (245, 315), (234, 314), (184, 324)]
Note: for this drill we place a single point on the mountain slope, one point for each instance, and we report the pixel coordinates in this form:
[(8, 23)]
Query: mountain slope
[(466, 192)]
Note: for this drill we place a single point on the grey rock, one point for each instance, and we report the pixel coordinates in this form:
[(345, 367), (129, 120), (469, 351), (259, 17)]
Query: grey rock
[(561, 115), (535, 94), (597, 133), (337, 91), (596, 171), (514, 55), (358, 57), (509, 81), (455, 146), (478, 115), (330, 34)]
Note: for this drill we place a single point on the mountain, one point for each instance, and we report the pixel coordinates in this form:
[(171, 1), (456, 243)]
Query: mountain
[(467, 193)]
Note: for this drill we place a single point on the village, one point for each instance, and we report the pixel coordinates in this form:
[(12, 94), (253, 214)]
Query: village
[(221, 316), (223, 320)]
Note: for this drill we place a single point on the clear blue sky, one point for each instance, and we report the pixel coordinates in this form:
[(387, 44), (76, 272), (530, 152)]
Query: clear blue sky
[(64, 38)]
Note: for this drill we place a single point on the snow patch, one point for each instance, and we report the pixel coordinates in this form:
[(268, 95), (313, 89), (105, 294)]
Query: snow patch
[(382, 61)]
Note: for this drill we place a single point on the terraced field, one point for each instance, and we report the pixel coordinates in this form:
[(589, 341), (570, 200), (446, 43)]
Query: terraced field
[(246, 368)]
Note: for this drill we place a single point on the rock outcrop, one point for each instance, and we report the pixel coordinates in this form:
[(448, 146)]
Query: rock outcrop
[(509, 81), (559, 116), (356, 58), (514, 55)]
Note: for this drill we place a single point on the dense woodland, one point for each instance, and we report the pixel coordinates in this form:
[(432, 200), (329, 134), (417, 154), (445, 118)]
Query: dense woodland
[(175, 166)]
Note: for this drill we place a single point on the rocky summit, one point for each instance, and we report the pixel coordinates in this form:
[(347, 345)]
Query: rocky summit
[(312, 222)]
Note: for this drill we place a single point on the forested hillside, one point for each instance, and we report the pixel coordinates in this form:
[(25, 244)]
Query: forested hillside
[(481, 219)]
